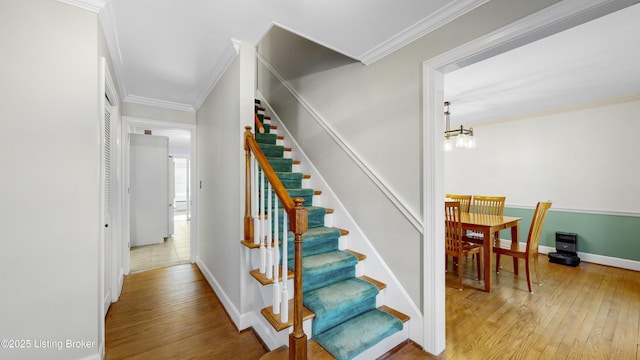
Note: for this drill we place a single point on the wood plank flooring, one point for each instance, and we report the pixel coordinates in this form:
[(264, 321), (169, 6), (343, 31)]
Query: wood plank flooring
[(172, 313), (588, 312)]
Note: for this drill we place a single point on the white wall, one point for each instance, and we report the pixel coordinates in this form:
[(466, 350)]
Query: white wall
[(582, 159), (50, 141), (220, 168), (158, 113), (377, 111)]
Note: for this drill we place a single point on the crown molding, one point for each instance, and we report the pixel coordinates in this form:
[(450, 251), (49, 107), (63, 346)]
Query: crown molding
[(159, 103), (91, 5), (227, 57), (419, 29), (550, 20), (111, 38)]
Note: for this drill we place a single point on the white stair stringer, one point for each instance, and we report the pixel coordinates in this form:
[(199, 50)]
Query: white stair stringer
[(373, 266)]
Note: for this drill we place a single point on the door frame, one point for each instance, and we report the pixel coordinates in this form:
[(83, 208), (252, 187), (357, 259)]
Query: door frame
[(553, 19), (127, 123), (107, 88)]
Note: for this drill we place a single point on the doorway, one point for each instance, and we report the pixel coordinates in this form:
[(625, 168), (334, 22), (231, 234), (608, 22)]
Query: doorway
[(552, 20), (178, 247)]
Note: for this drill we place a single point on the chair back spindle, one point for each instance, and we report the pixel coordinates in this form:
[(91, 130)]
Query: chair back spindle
[(488, 205), (464, 200)]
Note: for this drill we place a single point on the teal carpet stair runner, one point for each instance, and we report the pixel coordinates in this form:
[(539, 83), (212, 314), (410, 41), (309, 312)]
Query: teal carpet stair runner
[(346, 321)]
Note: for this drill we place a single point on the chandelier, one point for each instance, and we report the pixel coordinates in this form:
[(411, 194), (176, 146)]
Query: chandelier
[(463, 137)]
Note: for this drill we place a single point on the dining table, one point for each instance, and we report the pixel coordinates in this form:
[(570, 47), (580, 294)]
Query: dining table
[(489, 225)]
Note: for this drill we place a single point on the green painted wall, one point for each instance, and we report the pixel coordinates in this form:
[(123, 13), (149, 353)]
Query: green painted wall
[(607, 235)]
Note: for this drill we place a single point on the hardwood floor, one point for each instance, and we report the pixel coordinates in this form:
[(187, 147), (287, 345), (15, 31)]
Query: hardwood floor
[(172, 313), (587, 312)]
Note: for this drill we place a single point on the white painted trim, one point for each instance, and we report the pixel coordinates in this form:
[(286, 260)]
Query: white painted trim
[(379, 182), (232, 311), (91, 5), (578, 211), (127, 122), (159, 103), (434, 304), (554, 15), (432, 22), (228, 55), (111, 38), (394, 290), (598, 259)]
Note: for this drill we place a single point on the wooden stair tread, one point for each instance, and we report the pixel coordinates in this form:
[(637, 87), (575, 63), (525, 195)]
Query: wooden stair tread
[(288, 149), (296, 162), (330, 211), (402, 316), (343, 232), (317, 192), (306, 176), (274, 319), (251, 245), (357, 254), (279, 137), (262, 278), (375, 282), (316, 352)]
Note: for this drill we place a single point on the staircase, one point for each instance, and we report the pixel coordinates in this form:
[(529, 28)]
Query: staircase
[(347, 317)]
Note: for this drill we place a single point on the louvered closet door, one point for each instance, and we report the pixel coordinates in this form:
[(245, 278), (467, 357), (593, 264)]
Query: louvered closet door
[(107, 204)]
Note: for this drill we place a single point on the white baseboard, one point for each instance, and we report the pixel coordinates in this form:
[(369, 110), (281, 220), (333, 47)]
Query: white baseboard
[(599, 259), (233, 312)]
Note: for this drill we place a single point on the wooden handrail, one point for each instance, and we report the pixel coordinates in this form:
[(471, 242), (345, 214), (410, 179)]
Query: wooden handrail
[(299, 224)]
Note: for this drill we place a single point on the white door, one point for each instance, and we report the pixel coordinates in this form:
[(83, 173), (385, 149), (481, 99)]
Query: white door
[(106, 172), (149, 189)]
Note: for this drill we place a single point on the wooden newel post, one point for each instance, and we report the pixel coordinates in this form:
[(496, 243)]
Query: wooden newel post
[(248, 219), (298, 339)]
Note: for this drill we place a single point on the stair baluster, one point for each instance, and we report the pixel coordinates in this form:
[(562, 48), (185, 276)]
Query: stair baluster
[(276, 260), (298, 225), (284, 315), (268, 234), (256, 203), (263, 252)]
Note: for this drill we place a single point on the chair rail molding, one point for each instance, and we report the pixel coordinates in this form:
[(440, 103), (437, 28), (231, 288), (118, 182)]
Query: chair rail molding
[(408, 213)]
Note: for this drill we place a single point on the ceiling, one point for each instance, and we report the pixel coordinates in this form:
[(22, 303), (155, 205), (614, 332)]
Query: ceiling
[(596, 61), (170, 53)]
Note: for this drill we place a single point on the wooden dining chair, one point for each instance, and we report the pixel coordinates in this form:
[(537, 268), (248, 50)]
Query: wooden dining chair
[(528, 251), (453, 237), (487, 205), (465, 201)]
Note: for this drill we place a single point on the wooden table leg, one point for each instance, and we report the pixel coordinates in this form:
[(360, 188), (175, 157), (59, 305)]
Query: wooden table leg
[(487, 244), (514, 242)]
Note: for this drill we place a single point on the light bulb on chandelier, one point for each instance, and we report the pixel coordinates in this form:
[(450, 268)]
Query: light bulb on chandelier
[(464, 138)]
